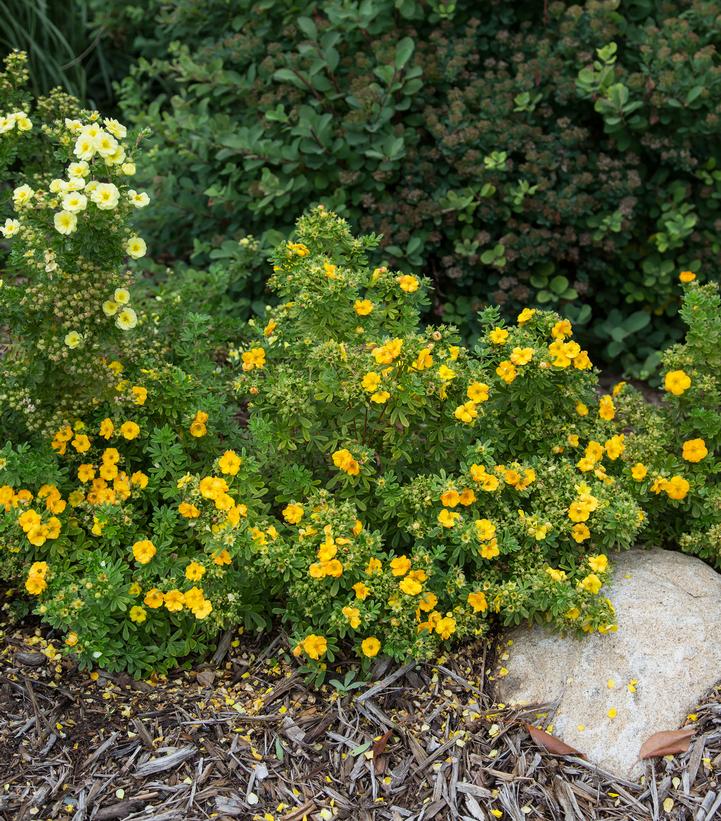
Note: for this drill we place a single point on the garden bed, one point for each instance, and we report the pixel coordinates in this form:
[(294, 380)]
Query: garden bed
[(243, 737)]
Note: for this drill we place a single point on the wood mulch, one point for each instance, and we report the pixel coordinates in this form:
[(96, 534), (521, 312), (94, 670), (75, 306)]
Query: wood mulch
[(243, 737)]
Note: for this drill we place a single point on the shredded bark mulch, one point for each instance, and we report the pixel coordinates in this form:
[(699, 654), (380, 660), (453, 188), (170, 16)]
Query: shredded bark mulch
[(244, 737)]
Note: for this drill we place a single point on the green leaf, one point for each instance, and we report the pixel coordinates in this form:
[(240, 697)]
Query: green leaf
[(404, 51), (308, 27)]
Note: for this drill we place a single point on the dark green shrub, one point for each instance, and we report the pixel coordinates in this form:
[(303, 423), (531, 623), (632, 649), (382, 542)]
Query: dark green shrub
[(510, 152)]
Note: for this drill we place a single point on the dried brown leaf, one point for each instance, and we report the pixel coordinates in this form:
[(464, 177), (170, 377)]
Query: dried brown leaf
[(379, 747), (667, 742), (550, 743)]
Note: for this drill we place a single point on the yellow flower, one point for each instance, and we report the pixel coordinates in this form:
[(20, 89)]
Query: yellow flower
[(591, 584), (506, 371), (107, 428), (270, 327), (556, 575), (361, 590), (694, 450), (153, 598), (202, 610), (363, 307), (599, 564), (371, 381), (526, 315), (639, 471), (467, 497), (229, 463), (677, 382), (448, 518), (400, 565), (174, 600), (677, 488), (73, 339), (408, 283), (194, 572), (314, 646), (127, 319), (65, 222), (353, 616), (498, 336), (410, 586), (139, 479), (138, 614), (140, 394), (423, 360), (136, 247), (254, 358), (489, 550), (478, 601), (562, 329), (478, 392), (446, 627), (293, 513), (380, 397), (198, 427), (615, 446), (370, 647), (450, 498), (581, 409), (35, 584), (129, 430), (485, 529), (385, 354), (81, 443), (686, 276), (344, 460), (606, 409), (86, 473), (580, 533), (521, 356), (222, 558), (446, 373), (144, 550)]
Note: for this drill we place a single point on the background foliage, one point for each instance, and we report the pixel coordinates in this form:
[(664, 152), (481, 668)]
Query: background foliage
[(495, 147), (549, 153)]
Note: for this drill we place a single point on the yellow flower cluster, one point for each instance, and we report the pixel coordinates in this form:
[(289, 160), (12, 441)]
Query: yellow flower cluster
[(36, 581), (15, 119), (198, 427), (254, 358), (328, 564), (477, 392)]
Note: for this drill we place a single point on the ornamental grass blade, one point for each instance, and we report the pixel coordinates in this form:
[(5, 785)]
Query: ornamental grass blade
[(550, 743), (667, 742)]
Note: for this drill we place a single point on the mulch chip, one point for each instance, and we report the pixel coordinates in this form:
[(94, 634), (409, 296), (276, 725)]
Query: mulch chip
[(245, 738)]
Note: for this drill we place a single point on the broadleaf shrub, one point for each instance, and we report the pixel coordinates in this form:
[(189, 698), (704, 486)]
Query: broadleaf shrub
[(549, 154)]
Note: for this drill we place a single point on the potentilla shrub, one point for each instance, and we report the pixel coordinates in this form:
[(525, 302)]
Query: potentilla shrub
[(103, 438), (67, 296), (672, 444), (425, 490)]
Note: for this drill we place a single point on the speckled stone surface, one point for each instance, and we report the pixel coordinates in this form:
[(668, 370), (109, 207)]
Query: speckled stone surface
[(668, 607)]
